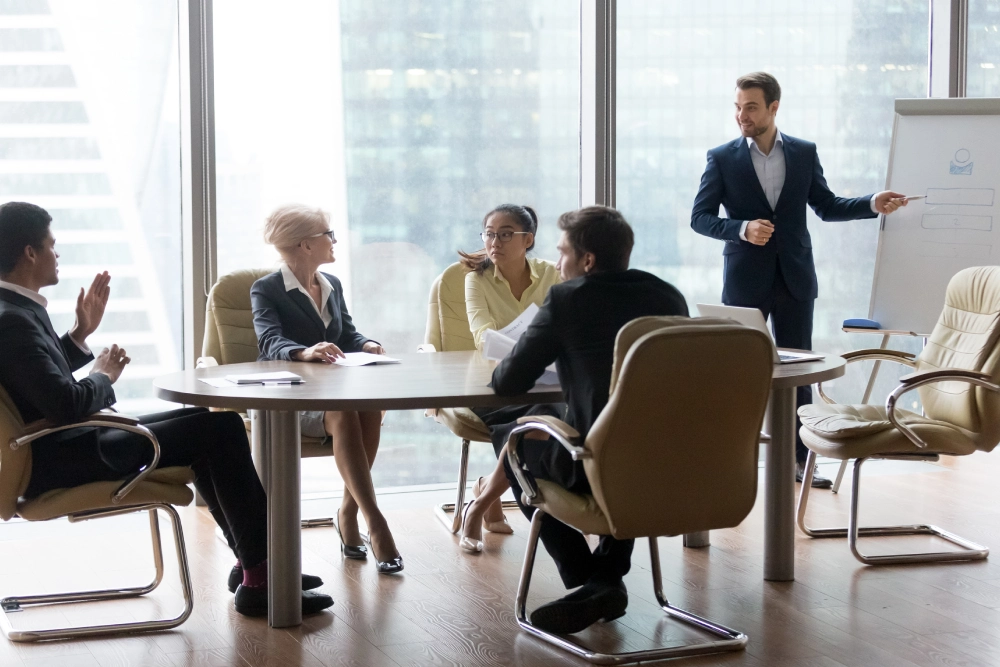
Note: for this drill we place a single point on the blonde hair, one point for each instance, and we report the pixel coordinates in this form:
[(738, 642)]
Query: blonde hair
[(289, 225)]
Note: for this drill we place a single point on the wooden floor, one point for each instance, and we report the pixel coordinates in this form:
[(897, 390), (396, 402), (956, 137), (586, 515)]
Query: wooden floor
[(449, 608)]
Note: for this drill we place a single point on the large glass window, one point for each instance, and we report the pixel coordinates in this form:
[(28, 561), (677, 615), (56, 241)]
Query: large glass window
[(408, 121), (984, 49), (840, 70), (89, 130)]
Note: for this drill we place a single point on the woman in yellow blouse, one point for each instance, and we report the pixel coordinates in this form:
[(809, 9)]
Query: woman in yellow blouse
[(502, 282)]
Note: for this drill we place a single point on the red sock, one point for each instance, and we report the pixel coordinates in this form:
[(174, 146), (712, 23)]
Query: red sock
[(256, 576)]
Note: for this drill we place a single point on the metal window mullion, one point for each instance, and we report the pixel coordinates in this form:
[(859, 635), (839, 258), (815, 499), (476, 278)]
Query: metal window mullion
[(948, 48), (597, 102)]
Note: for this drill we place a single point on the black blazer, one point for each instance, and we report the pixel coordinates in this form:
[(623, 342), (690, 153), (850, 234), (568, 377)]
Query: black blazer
[(36, 369), (576, 328), (730, 180), (287, 321)]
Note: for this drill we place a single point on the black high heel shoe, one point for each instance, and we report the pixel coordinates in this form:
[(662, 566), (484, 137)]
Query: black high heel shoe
[(349, 551), (391, 566)]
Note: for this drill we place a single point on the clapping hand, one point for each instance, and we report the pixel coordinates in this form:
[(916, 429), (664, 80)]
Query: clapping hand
[(90, 307), (111, 362)]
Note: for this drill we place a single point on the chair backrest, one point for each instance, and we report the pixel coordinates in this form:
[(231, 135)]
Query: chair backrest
[(966, 336), (229, 334), (675, 449), (15, 465), (447, 317)]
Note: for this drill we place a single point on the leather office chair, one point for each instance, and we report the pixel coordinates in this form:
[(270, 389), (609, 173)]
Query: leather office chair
[(956, 376), (674, 452), (230, 339), (448, 331), (152, 490)]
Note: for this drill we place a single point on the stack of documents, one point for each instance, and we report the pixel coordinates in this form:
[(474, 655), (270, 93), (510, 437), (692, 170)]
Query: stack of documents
[(274, 378), (364, 359), (498, 344)]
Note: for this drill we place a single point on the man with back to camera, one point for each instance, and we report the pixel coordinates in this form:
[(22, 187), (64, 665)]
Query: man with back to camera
[(765, 179), (36, 367), (576, 328)]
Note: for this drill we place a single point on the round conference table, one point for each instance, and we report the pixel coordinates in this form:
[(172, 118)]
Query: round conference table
[(442, 380), (420, 381)]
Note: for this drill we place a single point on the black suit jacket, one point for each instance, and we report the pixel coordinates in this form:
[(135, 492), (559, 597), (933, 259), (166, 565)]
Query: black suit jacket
[(36, 370), (286, 321), (576, 328), (730, 180)]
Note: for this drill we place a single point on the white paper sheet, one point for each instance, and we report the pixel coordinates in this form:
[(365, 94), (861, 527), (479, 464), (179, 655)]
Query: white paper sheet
[(520, 325), (497, 345), (364, 359)]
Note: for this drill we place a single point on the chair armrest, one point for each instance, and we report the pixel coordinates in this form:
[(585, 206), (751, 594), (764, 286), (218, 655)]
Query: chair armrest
[(106, 419), (874, 354), (205, 362), (910, 382), (559, 430), (426, 347)]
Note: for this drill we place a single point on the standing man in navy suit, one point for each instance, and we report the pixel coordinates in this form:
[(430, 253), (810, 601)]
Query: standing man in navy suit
[(765, 180)]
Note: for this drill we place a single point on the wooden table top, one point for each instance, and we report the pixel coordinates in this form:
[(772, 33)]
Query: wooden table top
[(808, 372), (430, 380)]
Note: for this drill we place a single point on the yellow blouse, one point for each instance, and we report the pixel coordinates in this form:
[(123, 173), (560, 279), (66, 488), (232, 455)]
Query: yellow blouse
[(491, 305)]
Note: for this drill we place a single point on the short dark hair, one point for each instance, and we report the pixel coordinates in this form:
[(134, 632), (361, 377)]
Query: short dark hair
[(601, 231), (767, 83), (21, 225)]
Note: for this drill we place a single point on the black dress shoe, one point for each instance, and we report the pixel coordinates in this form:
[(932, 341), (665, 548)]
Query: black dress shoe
[(309, 581), (253, 601), (817, 483), (349, 550), (582, 608)]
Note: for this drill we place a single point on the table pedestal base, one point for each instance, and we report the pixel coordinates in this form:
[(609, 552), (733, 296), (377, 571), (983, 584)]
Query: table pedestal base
[(284, 540), (779, 489)]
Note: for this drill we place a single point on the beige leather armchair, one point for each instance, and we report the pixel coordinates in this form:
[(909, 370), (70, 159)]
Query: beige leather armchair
[(448, 331), (230, 339), (674, 452), (956, 376), (151, 490)]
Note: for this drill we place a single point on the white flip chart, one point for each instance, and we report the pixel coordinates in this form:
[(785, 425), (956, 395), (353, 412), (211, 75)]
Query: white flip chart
[(949, 151)]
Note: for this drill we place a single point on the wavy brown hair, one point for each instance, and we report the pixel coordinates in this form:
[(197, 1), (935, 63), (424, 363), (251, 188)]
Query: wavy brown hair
[(525, 217)]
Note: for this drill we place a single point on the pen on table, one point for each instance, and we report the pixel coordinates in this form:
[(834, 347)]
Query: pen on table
[(285, 382)]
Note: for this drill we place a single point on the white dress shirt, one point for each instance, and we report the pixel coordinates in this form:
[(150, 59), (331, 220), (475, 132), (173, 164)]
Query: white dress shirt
[(41, 301), (326, 289), (770, 169)]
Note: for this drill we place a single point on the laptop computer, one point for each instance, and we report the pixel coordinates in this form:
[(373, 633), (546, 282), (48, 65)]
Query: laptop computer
[(751, 317)]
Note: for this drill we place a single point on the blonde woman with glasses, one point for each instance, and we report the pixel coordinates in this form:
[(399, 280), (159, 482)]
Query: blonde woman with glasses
[(502, 282), (299, 314)]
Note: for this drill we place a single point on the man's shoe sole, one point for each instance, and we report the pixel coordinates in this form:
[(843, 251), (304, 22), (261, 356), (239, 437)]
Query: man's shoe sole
[(312, 603), (565, 618)]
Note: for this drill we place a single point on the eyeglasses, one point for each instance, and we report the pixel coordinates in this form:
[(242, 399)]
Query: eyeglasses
[(329, 233), (503, 237)]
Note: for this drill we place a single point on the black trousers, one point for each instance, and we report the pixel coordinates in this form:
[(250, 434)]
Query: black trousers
[(503, 419), (547, 459), (792, 324), (213, 444)]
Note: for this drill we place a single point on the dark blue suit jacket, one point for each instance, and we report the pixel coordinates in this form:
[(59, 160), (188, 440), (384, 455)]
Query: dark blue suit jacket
[(730, 180), (287, 321)]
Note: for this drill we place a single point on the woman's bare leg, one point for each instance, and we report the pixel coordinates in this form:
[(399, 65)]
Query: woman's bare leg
[(354, 455), (496, 486)]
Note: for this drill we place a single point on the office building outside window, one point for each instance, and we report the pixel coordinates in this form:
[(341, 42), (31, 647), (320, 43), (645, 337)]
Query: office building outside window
[(90, 130), (984, 49), (840, 70), (408, 121)]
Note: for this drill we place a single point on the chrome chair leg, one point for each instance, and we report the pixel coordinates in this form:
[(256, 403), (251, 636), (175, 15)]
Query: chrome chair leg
[(970, 550), (840, 476), (728, 639), (454, 522), (14, 604)]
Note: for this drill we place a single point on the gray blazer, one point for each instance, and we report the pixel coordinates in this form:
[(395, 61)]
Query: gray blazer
[(287, 321)]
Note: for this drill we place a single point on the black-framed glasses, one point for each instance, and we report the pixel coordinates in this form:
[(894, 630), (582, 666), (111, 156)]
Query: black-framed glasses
[(503, 237)]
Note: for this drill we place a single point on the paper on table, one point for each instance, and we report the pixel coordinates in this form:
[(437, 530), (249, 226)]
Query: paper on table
[(520, 325), (217, 382), (364, 359), (260, 378), (496, 346)]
